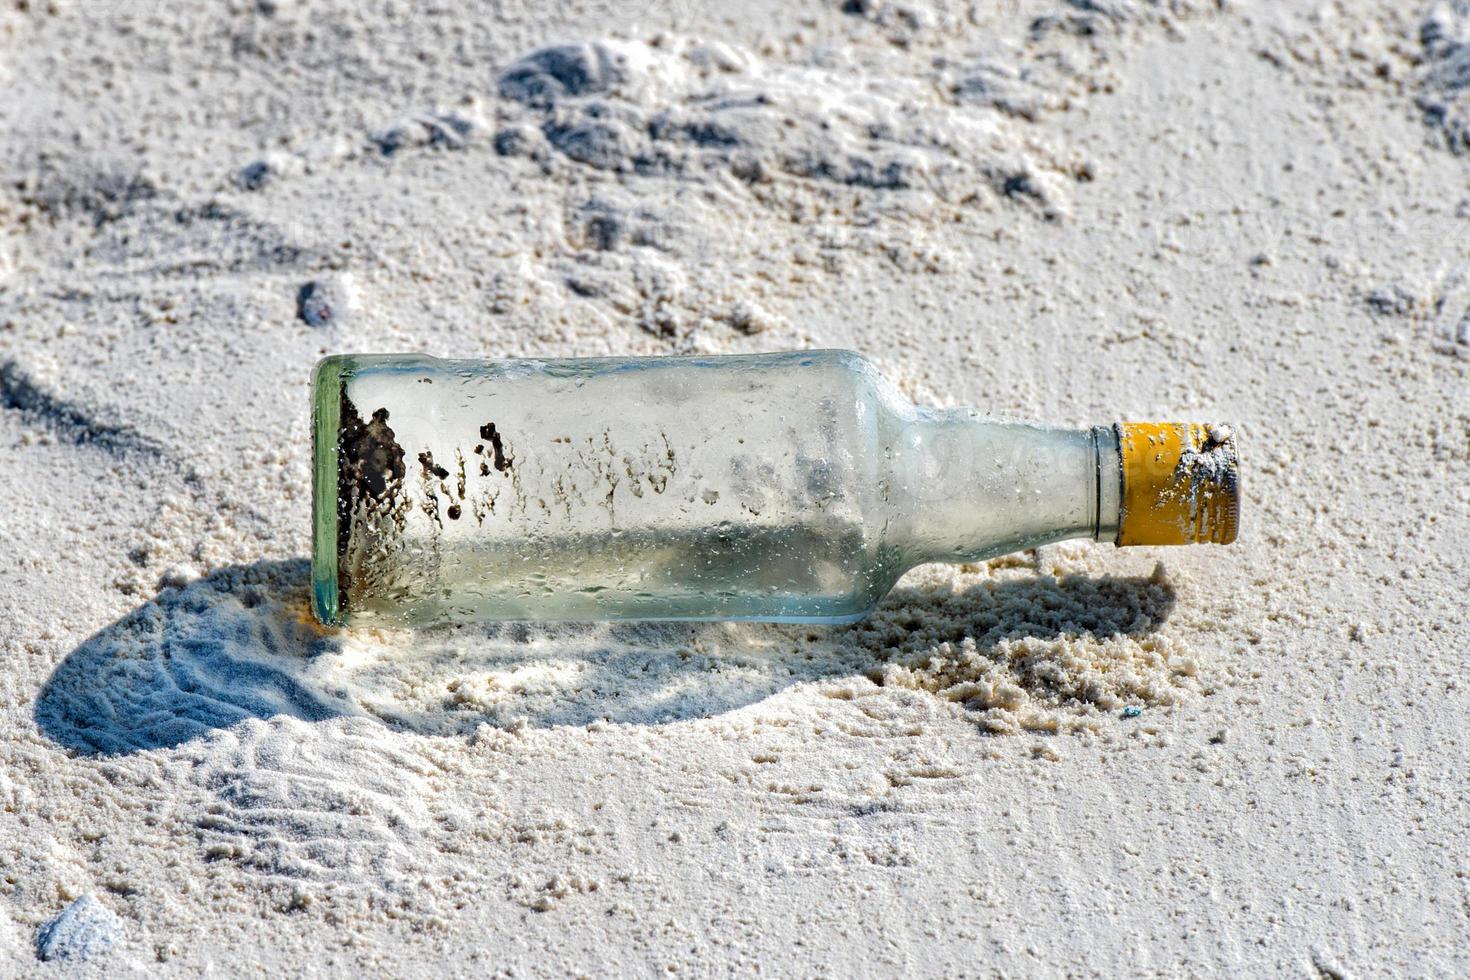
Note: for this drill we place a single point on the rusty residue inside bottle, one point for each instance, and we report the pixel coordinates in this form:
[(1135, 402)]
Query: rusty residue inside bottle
[(370, 495)]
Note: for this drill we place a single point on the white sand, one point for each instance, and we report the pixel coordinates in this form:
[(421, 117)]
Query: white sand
[(1072, 211)]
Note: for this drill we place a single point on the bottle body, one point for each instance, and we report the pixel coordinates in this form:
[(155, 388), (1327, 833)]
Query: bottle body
[(659, 488), (781, 487)]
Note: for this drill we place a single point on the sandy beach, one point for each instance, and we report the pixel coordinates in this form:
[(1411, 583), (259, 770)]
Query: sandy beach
[(1075, 761)]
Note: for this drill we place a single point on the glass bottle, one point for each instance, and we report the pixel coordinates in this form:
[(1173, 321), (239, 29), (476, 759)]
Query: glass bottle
[(793, 487)]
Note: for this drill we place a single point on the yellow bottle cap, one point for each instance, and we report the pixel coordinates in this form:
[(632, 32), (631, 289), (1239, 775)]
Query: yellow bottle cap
[(1181, 483)]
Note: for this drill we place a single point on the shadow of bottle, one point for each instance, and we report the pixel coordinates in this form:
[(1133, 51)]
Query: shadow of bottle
[(242, 643)]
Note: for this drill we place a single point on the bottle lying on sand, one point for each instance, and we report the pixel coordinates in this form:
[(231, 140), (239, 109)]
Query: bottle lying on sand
[(791, 487)]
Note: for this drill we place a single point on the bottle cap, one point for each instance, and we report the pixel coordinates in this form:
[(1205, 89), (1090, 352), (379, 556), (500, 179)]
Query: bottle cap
[(1181, 483)]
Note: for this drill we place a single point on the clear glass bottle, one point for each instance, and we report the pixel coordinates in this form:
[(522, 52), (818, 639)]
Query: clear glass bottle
[(790, 487)]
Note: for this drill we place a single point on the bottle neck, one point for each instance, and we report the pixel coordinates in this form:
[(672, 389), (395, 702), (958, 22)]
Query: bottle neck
[(969, 487)]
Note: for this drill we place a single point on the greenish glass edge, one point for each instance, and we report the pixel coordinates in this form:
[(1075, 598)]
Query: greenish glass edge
[(326, 410)]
